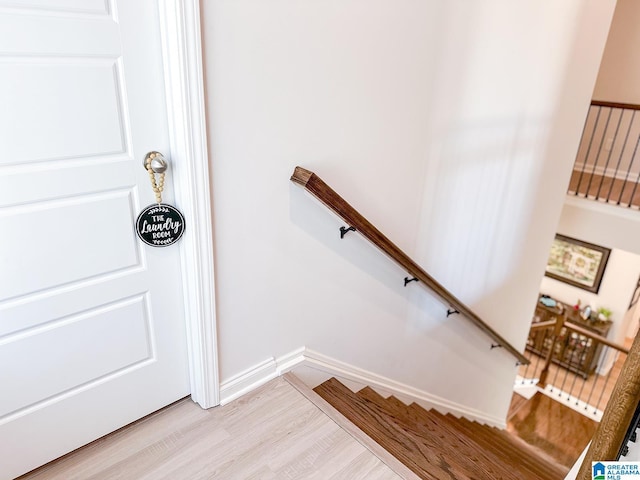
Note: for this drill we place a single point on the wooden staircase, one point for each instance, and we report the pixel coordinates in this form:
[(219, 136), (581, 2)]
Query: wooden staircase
[(437, 446)]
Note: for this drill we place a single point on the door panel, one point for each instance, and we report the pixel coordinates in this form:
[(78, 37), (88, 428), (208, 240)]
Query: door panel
[(101, 243), (67, 6), (91, 320), (68, 98), (17, 184), (59, 35), (114, 337)]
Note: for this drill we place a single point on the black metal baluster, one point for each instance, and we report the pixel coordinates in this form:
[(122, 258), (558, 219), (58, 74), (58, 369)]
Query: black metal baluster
[(633, 193), (595, 380), (566, 374), (595, 163), (598, 377), (584, 129), (584, 349), (626, 177), (615, 136), (624, 146), (586, 157), (555, 377), (604, 387)]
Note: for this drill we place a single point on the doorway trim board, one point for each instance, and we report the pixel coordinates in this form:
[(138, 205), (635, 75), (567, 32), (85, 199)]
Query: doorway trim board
[(184, 85)]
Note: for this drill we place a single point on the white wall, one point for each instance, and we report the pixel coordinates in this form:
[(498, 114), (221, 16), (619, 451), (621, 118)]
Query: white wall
[(619, 76), (632, 321), (600, 223), (451, 125)]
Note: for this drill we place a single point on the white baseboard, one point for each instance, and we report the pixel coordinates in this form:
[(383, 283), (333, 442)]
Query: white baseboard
[(258, 375), (316, 367), (608, 172), (406, 393)]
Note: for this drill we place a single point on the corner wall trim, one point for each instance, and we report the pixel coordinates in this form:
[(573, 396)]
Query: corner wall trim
[(184, 87), (269, 369)]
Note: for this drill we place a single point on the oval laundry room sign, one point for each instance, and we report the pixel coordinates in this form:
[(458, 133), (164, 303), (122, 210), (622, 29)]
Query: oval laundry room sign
[(160, 225)]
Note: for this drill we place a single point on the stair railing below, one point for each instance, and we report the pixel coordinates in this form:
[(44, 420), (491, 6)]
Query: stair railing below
[(607, 165), (571, 362), (314, 185)]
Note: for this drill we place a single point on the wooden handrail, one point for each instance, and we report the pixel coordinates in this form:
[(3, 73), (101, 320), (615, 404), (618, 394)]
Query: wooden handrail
[(314, 185), (602, 103), (542, 325), (599, 338)]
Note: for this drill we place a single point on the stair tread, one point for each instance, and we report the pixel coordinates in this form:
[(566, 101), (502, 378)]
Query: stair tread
[(422, 460), (466, 446), (432, 445), (471, 456), (396, 402), (500, 444), (447, 451), (506, 441), (498, 435), (370, 394)]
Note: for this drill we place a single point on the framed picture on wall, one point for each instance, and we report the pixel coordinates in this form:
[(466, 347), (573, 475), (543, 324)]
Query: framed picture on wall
[(577, 263)]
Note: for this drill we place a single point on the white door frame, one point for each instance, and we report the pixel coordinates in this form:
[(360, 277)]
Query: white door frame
[(184, 84)]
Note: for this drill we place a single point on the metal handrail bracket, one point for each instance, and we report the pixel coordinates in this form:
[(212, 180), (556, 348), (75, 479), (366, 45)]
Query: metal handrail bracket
[(314, 185)]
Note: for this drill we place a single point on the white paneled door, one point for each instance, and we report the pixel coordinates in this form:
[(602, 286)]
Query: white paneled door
[(92, 333)]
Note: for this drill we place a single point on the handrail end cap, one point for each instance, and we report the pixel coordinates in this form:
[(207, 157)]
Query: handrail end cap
[(301, 176)]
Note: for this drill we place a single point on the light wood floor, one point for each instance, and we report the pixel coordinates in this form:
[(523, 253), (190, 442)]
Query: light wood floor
[(271, 433)]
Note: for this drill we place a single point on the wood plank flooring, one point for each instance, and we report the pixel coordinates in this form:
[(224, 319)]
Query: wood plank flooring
[(273, 433), (553, 428)]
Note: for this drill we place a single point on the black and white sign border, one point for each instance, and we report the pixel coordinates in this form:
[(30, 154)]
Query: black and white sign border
[(164, 208)]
